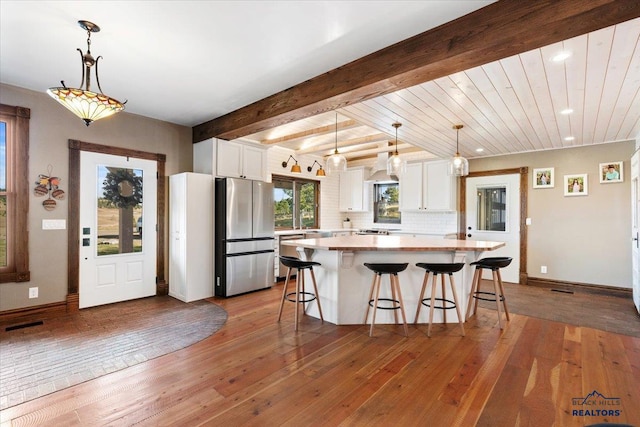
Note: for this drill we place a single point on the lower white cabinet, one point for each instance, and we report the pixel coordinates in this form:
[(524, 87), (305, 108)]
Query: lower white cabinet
[(427, 187), (191, 236)]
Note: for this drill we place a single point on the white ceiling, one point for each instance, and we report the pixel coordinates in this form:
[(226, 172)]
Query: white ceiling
[(189, 62)]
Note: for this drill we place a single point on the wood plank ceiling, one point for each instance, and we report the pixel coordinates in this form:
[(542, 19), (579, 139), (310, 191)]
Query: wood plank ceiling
[(510, 105), (516, 104)]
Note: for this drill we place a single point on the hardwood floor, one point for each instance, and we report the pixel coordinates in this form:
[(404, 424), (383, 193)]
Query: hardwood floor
[(256, 371)]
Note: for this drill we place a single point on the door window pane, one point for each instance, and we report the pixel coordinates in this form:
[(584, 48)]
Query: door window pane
[(386, 204), (119, 210), (492, 209)]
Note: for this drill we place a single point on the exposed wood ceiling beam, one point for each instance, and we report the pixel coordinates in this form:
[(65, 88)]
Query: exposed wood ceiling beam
[(402, 148), (323, 130), (369, 139), (499, 30), (361, 154)]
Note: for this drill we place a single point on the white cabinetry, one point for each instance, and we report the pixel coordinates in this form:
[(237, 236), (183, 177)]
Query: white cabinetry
[(354, 191), (190, 236), (238, 160), (233, 159), (427, 187)]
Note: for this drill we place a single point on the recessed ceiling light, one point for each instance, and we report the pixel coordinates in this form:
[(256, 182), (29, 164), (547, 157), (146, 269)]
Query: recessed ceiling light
[(479, 150), (567, 111), (561, 56), (569, 138)]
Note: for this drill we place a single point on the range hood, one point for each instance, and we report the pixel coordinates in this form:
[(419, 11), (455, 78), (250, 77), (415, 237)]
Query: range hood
[(379, 170)]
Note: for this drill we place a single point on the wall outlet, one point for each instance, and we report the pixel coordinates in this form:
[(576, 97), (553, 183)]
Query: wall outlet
[(33, 292), (543, 269)]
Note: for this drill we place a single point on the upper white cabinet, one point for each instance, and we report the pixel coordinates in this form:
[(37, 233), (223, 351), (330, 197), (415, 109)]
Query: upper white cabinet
[(427, 187), (354, 191), (238, 160), (233, 159)]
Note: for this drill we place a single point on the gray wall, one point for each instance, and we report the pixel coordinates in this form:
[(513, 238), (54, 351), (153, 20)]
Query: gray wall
[(51, 126), (583, 239)]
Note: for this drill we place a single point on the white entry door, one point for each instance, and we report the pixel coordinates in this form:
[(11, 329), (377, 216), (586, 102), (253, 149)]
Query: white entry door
[(635, 227), (493, 213), (117, 228)]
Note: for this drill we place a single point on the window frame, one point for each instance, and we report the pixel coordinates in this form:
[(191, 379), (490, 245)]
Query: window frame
[(376, 195), (17, 158), (296, 204)]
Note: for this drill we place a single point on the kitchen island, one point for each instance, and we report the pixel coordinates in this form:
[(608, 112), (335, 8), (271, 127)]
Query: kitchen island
[(344, 282)]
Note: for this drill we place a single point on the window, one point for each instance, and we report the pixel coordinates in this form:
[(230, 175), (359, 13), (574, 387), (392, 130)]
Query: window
[(386, 204), (14, 193), (296, 202), (492, 209)]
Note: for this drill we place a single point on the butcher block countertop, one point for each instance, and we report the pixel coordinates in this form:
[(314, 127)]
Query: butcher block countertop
[(393, 243)]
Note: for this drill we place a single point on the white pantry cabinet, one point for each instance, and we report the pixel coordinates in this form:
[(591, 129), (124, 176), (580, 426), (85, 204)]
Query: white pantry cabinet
[(354, 191), (427, 187), (191, 236), (233, 159)]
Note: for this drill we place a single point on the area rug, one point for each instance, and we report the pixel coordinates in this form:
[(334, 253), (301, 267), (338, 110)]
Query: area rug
[(68, 350), (609, 313)]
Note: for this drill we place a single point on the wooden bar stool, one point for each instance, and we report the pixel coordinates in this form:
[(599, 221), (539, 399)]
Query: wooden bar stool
[(396, 296), (300, 296), (494, 264), (446, 304)]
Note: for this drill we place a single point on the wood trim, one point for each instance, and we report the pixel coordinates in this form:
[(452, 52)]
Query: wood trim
[(524, 197), (73, 243), (499, 30), (581, 287), (25, 314), (19, 117)]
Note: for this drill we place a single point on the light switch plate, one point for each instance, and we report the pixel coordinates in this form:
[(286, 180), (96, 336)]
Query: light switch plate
[(527, 221), (54, 224)]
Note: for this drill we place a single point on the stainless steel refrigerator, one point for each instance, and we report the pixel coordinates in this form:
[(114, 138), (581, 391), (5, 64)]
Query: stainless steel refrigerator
[(244, 236)]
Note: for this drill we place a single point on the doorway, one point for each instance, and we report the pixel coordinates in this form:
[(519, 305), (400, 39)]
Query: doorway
[(635, 228), (493, 206), (155, 229), (117, 204)]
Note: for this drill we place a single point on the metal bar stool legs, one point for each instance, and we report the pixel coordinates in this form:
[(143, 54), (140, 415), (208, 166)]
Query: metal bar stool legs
[(436, 269), (494, 264)]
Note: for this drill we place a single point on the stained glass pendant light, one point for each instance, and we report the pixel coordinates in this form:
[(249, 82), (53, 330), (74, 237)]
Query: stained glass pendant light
[(336, 162), (458, 165), (395, 165), (89, 106)]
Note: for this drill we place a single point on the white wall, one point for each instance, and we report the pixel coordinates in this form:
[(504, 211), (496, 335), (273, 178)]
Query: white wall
[(331, 218)]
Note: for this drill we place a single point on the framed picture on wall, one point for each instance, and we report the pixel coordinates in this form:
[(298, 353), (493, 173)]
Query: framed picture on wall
[(543, 178), (611, 172), (576, 185)]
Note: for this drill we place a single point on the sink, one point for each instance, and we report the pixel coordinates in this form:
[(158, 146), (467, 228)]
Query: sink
[(316, 234)]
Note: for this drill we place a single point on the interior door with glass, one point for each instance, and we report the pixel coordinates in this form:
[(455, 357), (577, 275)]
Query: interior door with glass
[(118, 210), (493, 213), (635, 228)]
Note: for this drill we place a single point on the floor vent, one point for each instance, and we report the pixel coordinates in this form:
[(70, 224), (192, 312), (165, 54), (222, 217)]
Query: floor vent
[(562, 291), (24, 325)]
